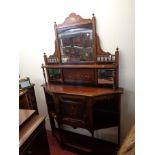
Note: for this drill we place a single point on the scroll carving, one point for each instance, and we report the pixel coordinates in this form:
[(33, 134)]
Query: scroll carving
[(99, 49)]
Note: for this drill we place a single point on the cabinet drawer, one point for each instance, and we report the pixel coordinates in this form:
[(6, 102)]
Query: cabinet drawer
[(106, 112)]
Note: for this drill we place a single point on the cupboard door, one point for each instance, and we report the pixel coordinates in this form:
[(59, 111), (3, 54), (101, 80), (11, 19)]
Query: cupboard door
[(106, 111), (72, 110)]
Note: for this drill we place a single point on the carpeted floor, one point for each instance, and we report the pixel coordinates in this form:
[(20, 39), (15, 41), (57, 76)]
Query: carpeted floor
[(55, 148)]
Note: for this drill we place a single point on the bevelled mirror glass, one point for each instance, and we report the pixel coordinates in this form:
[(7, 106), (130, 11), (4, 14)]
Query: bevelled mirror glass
[(76, 44)]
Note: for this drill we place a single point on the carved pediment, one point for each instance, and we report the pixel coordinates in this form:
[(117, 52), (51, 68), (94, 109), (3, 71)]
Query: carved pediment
[(74, 19)]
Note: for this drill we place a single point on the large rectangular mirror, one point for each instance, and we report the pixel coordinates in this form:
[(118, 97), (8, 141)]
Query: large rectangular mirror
[(76, 44)]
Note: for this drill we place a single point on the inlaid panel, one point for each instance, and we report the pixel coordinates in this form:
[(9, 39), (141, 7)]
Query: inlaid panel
[(79, 75), (72, 110)]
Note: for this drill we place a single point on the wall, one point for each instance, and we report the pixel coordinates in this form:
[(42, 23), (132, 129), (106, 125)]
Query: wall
[(115, 26)]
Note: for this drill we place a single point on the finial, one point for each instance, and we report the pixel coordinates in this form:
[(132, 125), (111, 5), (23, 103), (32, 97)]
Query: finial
[(117, 49), (93, 15), (55, 25)]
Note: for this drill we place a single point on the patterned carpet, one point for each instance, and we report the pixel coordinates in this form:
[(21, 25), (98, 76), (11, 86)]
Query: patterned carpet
[(55, 148)]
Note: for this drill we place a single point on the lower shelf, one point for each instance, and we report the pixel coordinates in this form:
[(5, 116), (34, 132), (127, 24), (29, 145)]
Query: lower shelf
[(86, 145)]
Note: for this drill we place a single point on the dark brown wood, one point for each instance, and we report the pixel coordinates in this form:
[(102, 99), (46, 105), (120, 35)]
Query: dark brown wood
[(117, 71), (23, 100), (32, 134), (94, 36), (91, 108), (85, 145), (57, 49), (27, 99), (101, 59), (44, 70), (97, 66), (79, 75), (82, 88), (45, 59)]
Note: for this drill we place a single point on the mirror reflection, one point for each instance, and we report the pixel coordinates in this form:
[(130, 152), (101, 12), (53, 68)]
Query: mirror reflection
[(76, 44)]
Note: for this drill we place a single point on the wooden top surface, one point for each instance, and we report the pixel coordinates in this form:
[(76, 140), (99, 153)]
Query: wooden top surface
[(80, 90), (112, 66), (28, 128), (24, 115)]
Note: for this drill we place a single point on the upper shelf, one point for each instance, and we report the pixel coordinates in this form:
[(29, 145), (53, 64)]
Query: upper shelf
[(78, 57)]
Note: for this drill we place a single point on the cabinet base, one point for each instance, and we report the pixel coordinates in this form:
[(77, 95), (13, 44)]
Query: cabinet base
[(85, 145)]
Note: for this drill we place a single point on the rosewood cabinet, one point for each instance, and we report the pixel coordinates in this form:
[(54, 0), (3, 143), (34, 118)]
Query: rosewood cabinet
[(27, 99), (32, 134), (81, 81)]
